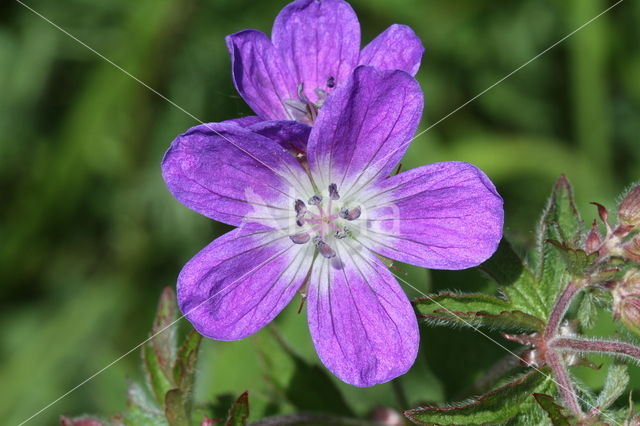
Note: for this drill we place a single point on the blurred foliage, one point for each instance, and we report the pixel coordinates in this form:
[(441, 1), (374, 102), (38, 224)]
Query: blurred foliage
[(90, 235)]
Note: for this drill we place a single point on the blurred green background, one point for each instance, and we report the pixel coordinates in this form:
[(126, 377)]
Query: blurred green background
[(89, 234)]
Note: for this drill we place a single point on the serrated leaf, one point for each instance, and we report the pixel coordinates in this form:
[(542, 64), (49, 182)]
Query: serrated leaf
[(560, 221), (499, 405), (473, 310), (576, 260), (239, 411), (614, 386), (587, 312), (505, 266), (174, 410), (524, 295), (553, 410)]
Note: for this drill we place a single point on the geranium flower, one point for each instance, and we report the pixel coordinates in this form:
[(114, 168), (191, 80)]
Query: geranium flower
[(320, 227), (315, 46)]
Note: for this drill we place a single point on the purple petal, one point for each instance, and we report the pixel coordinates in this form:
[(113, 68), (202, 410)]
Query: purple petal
[(259, 74), (441, 216), (247, 121), (364, 129), (320, 41), (291, 135), (361, 322), (397, 47), (241, 281), (232, 175)]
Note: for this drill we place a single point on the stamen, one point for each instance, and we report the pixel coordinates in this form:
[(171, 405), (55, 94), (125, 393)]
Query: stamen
[(300, 238), (315, 200), (301, 210), (352, 214), (300, 207), (333, 192), (331, 82), (342, 233)]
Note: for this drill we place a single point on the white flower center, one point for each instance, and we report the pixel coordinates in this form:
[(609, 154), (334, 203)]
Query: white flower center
[(323, 220)]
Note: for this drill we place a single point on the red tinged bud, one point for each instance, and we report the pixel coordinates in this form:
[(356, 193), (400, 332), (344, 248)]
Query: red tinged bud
[(632, 250), (603, 213), (594, 241), (626, 301), (629, 209)]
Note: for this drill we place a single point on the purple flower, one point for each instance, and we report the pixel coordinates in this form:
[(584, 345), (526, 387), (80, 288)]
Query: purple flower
[(319, 227), (315, 47)]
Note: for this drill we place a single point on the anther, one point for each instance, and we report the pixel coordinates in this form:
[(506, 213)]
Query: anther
[(300, 238), (300, 207), (315, 200), (352, 214), (301, 210), (331, 82), (333, 192), (325, 250), (342, 233)]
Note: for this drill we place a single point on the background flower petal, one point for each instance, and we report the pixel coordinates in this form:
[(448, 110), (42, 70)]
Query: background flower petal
[(319, 40), (241, 281), (398, 47), (259, 74), (232, 175), (364, 129), (441, 216), (362, 324)]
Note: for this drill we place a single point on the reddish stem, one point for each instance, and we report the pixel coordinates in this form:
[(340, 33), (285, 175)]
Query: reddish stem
[(560, 309), (573, 344), (564, 383)]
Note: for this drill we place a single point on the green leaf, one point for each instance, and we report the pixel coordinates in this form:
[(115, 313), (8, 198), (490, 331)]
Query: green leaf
[(323, 397), (499, 405), (184, 368), (524, 295), (159, 353), (175, 410), (560, 221), (239, 411), (576, 260), (473, 310), (156, 378), (553, 410), (141, 410), (505, 266), (614, 386), (587, 312)]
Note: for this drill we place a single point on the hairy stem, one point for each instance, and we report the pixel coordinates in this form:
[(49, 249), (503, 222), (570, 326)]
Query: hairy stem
[(564, 383), (573, 344), (560, 308)]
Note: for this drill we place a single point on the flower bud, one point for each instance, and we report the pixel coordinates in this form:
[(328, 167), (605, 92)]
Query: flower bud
[(594, 241), (632, 250), (626, 301), (629, 209)]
